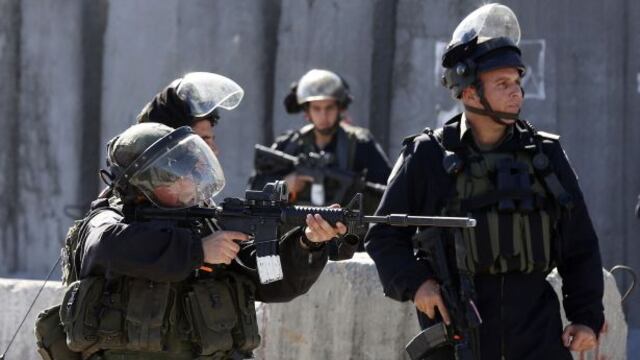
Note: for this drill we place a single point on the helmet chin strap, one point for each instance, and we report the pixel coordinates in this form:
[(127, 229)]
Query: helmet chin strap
[(496, 116)]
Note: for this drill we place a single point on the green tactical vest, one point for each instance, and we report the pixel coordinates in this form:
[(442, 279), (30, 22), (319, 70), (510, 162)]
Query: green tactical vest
[(515, 229), (208, 317), (515, 198)]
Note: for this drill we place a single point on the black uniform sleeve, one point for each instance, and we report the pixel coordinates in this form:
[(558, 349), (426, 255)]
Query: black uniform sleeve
[(370, 156), (580, 263), (154, 250), (411, 191), (301, 268)]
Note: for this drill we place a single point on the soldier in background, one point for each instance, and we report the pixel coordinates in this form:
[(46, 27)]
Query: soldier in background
[(323, 97)]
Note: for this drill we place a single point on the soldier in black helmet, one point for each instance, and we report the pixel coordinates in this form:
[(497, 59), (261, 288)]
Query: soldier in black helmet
[(323, 96), (193, 100), (517, 183)]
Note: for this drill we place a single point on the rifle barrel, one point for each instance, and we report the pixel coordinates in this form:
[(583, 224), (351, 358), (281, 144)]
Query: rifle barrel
[(261, 149), (406, 220)]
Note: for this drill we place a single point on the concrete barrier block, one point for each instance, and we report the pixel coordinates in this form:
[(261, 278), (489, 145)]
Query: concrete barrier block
[(15, 297), (344, 316), (613, 336)]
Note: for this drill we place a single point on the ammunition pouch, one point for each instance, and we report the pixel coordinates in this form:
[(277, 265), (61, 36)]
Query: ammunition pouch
[(246, 336), (145, 314), (50, 336), (209, 318), (97, 317), (79, 313), (209, 306)]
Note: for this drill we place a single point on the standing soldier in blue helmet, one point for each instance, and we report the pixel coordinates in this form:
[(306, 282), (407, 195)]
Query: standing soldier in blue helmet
[(517, 183)]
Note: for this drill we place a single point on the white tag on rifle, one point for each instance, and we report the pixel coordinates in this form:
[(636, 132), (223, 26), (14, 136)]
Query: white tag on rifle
[(317, 194), (269, 268)]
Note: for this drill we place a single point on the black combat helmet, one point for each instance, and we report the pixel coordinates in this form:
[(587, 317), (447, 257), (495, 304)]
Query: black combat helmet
[(161, 163), (487, 39), (196, 96), (317, 84)]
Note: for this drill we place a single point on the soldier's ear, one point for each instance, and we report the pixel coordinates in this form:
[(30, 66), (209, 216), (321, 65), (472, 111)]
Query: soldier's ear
[(469, 94)]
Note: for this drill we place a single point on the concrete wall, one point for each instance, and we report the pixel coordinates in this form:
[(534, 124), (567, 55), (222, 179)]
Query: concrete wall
[(40, 138), (344, 316), (338, 35), (172, 39), (75, 73)]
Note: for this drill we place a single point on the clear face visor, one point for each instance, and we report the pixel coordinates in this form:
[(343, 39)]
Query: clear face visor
[(318, 85), (205, 92), (186, 174), (488, 22)]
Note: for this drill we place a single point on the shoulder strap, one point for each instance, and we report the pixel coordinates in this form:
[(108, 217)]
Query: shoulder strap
[(347, 141), (297, 138), (543, 168)]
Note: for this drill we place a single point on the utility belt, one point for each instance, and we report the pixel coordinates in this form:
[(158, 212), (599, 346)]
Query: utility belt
[(211, 318)]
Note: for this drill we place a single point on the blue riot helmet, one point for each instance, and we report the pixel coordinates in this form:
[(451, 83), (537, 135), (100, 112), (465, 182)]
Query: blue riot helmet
[(487, 39)]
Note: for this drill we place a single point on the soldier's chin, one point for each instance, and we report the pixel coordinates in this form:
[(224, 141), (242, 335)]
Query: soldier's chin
[(327, 131), (508, 121)]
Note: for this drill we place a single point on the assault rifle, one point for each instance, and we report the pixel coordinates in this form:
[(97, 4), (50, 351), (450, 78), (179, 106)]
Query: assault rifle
[(457, 293), (316, 165), (262, 212)]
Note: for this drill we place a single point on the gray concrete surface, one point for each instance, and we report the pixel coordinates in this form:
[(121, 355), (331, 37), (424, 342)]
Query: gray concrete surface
[(149, 46), (15, 296), (41, 152), (344, 316), (75, 73), (614, 334)]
